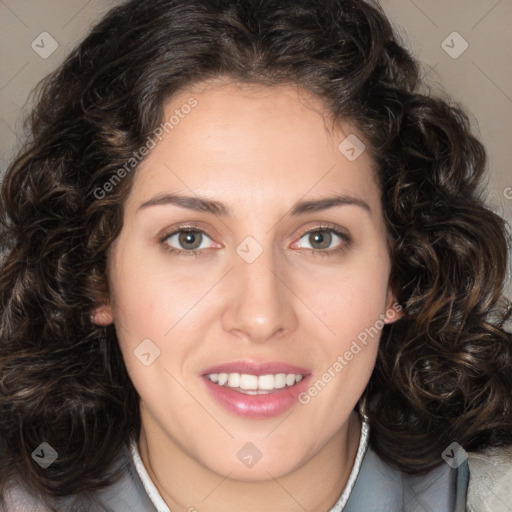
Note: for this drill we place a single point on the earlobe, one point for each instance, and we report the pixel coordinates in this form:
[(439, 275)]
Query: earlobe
[(394, 310), (102, 315)]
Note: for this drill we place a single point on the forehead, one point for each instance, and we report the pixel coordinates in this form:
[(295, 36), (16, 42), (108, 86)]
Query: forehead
[(227, 101), (263, 141)]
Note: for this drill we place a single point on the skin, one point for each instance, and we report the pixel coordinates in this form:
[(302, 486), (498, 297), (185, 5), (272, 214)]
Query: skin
[(258, 150)]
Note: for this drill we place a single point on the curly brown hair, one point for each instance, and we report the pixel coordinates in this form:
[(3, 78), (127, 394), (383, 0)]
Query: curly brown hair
[(443, 372)]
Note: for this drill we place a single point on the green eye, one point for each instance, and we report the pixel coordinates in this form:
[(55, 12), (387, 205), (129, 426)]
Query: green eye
[(185, 241)]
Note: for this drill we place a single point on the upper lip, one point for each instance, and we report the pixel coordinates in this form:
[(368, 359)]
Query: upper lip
[(256, 368)]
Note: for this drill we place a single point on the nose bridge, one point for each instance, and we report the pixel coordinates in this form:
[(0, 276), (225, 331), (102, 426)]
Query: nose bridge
[(260, 304)]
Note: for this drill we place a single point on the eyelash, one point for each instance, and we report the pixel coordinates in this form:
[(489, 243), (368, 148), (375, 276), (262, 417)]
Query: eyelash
[(321, 228)]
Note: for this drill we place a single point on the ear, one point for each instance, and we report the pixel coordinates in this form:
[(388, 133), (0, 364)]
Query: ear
[(394, 310), (102, 315)]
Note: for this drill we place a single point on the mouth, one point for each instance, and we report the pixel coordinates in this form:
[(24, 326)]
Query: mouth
[(255, 384), (256, 390)]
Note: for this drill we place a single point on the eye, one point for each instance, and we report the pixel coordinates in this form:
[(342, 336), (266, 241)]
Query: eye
[(192, 241), (327, 240), (189, 241)]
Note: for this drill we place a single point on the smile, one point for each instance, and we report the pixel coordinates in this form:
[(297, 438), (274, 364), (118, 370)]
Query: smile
[(255, 384)]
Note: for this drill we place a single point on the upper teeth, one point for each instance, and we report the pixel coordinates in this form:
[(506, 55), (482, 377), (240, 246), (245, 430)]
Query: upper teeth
[(255, 382)]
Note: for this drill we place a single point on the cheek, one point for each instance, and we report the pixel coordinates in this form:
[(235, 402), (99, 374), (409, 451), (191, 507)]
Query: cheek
[(351, 307), (155, 319), (349, 299), (148, 299)]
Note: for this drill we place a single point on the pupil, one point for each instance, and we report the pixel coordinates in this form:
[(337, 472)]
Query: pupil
[(190, 237), (320, 238)]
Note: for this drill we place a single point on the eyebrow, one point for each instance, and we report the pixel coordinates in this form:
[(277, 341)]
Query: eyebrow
[(202, 204)]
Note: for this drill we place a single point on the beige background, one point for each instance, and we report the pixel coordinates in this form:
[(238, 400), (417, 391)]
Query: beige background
[(480, 78)]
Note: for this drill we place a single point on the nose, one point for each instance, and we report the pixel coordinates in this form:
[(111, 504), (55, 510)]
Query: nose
[(261, 304)]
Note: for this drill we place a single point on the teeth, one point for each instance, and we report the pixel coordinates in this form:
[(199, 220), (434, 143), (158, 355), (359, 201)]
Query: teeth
[(234, 380), (254, 384), (290, 379), (246, 381), (280, 380), (266, 382)]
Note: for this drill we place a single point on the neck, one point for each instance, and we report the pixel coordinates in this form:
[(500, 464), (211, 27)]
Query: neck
[(188, 486)]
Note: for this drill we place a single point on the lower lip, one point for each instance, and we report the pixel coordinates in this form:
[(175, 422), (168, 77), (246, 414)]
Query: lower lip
[(257, 406)]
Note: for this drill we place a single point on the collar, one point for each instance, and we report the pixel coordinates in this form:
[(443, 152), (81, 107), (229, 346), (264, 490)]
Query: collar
[(148, 484), (161, 506)]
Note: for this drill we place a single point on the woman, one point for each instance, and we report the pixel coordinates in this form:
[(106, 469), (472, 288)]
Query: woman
[(248, 268)]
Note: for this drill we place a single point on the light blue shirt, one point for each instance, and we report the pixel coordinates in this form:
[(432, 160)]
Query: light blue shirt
[(372, 486)]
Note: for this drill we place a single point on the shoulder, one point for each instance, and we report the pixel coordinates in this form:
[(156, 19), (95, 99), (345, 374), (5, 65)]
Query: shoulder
[(125, 495), (443, 489), (489, 482), (17, 497)]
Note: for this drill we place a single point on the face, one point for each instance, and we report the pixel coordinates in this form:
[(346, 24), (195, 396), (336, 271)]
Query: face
[(249, 280)]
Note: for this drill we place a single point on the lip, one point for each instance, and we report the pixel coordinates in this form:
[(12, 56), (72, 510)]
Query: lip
[(256, 406), (255, 368)]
